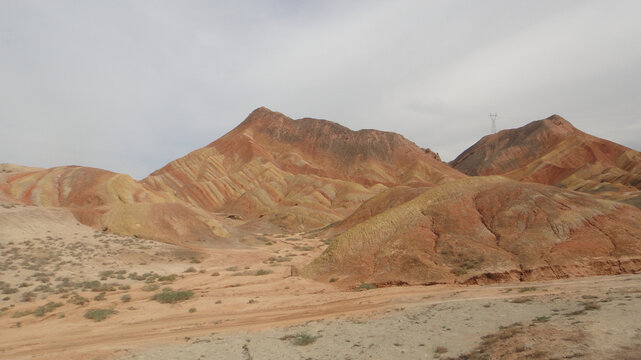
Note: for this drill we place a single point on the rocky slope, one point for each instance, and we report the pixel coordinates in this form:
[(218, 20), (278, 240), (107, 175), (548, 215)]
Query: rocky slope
[(297, 174), (486, 229), (377, 204), (111, 202), (552, 151)]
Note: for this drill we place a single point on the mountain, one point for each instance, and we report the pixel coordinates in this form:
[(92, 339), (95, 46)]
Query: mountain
[(552, 151), (393, 211), (297, 174), (486, 229), (270, 173)]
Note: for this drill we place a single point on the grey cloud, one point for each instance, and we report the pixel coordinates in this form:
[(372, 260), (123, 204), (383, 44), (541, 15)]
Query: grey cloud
[(131, 85)]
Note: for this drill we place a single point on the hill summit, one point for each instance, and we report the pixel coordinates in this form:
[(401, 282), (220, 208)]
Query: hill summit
[(552, 151)]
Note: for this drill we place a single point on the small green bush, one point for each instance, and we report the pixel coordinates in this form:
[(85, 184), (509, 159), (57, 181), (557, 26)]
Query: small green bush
[(459, 271), (28, 296), (91, 284), (303, 339), (43, 288), (18, 314), (541, 319), (104, 275), (258, 272), (99, 314), (172, 297), (48, 307), (150, 287), (366, 286), (525, 289), (167, 278), (78, 300), (151, 277), (125, 298)]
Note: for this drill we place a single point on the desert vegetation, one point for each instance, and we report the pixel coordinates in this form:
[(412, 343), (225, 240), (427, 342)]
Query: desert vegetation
[(169, 296), (99, 314)]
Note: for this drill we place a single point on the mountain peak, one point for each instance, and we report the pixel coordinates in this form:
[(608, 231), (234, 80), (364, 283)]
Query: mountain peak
[(556, 117), (510, 149), (322, 144), (262, 111), (557, 121), (261, 115)]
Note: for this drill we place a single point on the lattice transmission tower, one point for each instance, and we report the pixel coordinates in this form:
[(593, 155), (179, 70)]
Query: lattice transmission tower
[(493, 117)]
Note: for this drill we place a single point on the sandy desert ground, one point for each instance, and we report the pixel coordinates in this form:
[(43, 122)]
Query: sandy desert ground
[(249, 303)]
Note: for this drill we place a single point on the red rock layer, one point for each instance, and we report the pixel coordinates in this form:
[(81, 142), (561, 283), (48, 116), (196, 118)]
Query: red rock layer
[(278, 173), (552, 151), (271, 163), (111, 201), (486, 229)]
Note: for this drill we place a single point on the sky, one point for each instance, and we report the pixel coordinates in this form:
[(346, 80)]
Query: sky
[(129, 86)]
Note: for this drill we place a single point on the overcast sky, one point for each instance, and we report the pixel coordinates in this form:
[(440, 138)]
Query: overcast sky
[(131, 85)]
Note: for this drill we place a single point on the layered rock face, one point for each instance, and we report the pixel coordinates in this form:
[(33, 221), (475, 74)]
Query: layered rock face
[(274, 173), (486, 229), (111, 201), (552, 151), (376, 205), (297, 174)]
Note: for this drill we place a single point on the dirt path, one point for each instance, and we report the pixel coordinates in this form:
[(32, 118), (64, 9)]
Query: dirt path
[(154, 326), (514, 321)]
